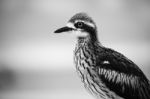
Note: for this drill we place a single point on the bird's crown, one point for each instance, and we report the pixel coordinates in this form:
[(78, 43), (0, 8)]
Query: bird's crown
[(81, 16)]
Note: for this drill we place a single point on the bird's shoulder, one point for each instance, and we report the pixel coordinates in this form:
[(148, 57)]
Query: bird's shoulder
[(110, 59), (121, 75)]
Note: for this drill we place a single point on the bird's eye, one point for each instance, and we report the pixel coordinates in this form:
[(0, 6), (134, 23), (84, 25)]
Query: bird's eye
[(79, 24)]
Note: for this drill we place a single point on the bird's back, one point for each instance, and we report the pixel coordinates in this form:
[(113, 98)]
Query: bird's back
[(121, 75)]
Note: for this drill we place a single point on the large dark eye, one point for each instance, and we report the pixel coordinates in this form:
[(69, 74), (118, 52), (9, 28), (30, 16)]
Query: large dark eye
[(79, 24)]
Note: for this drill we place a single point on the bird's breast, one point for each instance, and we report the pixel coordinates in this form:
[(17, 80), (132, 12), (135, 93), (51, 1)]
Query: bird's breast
[(82, 61), (84, 66)]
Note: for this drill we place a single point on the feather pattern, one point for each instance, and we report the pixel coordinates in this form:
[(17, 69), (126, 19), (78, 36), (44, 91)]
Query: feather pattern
[(121, 75)]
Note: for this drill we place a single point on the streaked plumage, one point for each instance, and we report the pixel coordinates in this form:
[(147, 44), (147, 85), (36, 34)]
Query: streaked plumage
[(106, 74)]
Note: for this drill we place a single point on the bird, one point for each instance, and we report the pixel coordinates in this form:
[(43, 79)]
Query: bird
[(105, 73)]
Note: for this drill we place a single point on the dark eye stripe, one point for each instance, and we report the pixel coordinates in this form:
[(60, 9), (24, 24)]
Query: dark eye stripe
[(89, 29)]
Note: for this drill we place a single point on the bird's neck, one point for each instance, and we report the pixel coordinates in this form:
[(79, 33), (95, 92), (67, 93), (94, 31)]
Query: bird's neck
[(90, 43), (83, 40), (87, 48)]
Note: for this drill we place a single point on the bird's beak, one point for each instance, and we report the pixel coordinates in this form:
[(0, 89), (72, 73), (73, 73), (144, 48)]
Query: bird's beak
[(63, 29)]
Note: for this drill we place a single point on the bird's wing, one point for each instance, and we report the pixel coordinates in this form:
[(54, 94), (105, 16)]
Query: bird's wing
[(122, 76)]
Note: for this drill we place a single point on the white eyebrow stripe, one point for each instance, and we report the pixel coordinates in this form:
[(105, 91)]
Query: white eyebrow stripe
[(90, 24), (71, 25)]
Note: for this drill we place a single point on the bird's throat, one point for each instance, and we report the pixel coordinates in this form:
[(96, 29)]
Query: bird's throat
[(88, 43), (86, 40)]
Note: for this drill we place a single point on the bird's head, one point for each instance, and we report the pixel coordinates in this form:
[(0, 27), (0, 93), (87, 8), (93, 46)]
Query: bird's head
[(80, 24)]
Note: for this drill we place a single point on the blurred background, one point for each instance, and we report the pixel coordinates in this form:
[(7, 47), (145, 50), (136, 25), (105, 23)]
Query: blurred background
[(35, 63)]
